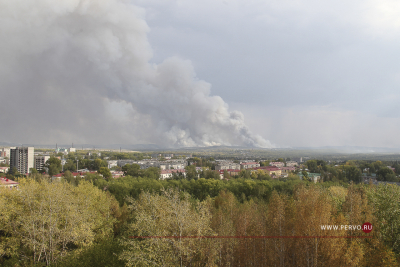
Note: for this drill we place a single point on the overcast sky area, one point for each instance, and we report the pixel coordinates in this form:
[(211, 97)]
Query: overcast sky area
[(197, 73), (304, 73)]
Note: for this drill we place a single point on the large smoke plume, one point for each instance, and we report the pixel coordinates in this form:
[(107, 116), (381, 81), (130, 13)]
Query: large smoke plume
[(79, 71)]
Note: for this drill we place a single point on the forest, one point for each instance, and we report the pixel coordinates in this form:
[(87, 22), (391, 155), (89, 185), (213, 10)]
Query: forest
[(92, 222)]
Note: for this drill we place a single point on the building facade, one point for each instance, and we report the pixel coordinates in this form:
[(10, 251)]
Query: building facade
[(249, 165), (22, 158), (40, 161)]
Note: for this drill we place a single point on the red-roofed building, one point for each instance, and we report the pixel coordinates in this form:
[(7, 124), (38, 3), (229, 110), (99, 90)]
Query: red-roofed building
[(4, 182)]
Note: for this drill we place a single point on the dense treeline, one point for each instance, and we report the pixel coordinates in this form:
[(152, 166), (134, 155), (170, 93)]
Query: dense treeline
[(200, 189), (172, 214), (89, 222)]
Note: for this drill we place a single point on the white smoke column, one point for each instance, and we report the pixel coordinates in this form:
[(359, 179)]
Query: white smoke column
[(67, 63)]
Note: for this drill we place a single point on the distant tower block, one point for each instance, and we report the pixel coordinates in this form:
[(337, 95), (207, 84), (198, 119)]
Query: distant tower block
[(22, 158)]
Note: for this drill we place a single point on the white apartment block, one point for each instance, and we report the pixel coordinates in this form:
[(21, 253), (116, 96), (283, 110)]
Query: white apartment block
[(22, 158), (249, 165), (227, 165)]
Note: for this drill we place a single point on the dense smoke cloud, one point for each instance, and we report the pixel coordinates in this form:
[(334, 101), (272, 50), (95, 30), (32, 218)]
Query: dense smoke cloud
[(79, 71)]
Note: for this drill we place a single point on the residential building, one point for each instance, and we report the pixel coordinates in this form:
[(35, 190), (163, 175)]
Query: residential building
[(277, 164), (227, 165), (270, 170), (62, 150), (117, 174), (40, 161), (4, 182), (233, 172), (112, 163), (22, 158), (291, 164), (249, 165), (5, 151), (298, 160), (166, 174)]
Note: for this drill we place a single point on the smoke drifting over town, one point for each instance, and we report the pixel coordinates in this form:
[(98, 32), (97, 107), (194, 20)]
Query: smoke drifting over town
[(80, 71)]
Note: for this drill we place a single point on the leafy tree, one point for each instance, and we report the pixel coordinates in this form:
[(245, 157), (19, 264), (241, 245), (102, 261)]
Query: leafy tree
[(47, 220), (352, 173), (13, 171), (169, 214), (70, 165), (54, 166), (33, 171), (191, 172), (98, 163), (385, 200), (151, 173), (386, 174), (105, 172), (131, 169), (312, 165)]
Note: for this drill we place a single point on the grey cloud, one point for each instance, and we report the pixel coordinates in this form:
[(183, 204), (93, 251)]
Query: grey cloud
[(70, 69)]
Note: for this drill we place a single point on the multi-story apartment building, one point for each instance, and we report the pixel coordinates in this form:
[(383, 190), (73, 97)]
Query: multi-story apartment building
[(22, 158), (40, 161), (227, 165), (249, 165)]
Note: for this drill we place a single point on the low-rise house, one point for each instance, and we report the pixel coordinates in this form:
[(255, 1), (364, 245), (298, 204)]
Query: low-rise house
[(166, 174), (7, 183)]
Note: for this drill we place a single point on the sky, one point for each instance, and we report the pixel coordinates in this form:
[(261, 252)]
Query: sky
[(303, 73), (197, 73)]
